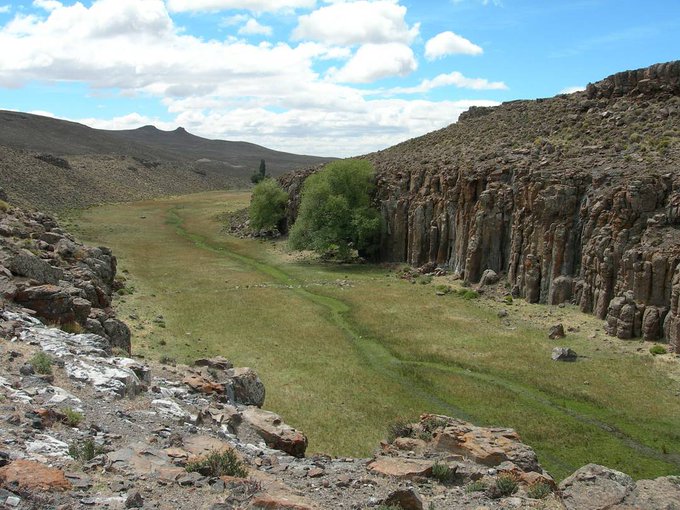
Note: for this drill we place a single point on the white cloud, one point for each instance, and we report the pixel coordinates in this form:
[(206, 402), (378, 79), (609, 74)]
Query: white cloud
[(448, 43), (47, 5), (455, 79), (571, 90), (360, 22), (252, 27), (5, 9), (251, 5), (268, 93), (376, 61)]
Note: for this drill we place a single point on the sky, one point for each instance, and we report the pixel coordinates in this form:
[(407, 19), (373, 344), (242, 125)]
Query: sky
[(320, 77)]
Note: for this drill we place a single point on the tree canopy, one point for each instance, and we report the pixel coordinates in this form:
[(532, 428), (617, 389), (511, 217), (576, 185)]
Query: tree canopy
[(267, 205), (335, 212)]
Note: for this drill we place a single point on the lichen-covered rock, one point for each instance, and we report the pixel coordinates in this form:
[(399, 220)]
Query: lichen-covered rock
[(596, 487), (245, 387)]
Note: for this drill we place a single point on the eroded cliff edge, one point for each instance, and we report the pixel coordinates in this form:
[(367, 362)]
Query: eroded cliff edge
[(573, 198)]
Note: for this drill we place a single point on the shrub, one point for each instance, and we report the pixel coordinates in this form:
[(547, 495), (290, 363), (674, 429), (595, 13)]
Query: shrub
[(400, 428), (4, 206), (476, 486), (267, 206), (507, 484), (467, 294), (219, 463), (443, 473), (336, 212), (86, 451), (42, 363), (444, 289), (72, 327), (508, 299), (539, 490), (657, 349), (73, 418)]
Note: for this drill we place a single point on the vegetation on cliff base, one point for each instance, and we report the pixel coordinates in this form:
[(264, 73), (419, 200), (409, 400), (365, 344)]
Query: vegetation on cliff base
[(267, 205), (336, 214)]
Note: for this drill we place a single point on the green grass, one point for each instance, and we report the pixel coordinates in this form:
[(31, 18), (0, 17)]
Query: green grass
[(219, 463), (341, 363)]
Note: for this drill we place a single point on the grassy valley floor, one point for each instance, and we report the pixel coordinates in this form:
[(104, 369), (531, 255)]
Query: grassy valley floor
[(345, 350)]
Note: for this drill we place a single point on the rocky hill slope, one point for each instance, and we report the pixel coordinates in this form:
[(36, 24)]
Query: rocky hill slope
[(53, 164), (574, 198), (84, 425)]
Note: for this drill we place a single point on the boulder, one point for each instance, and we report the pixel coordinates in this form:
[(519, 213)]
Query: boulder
[(50, 303), (489, 277), (8, 289), (560, 290), (556, 331), (245, 387), (563, 354), (24, 263), (217, 363), (595, 487), (118, 333), (28, 475), (279, 436), (406, 499)]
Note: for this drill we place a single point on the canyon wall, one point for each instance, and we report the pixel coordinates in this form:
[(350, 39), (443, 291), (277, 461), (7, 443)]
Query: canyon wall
[(574, 199)]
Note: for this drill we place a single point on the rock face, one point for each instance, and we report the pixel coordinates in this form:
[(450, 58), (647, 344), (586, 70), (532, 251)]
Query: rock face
[(574, 198)]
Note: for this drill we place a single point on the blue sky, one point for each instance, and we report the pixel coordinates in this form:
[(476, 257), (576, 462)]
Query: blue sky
[(326, 77)]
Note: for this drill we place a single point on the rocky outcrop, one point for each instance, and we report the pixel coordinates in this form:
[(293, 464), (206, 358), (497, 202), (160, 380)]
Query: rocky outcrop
[(44, 269), (571, 199)]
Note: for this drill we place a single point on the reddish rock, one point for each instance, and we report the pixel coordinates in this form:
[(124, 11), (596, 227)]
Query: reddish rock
[(202, 385), (50, 303), (401, 468), (29, 475), (277, 503), (270, 427)]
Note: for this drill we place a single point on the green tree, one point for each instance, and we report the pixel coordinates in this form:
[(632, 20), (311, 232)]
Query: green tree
[(260, 175), (336, 213), (267, 205)]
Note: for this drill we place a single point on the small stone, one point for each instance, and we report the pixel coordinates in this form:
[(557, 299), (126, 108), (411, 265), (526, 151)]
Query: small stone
[(563, 354), (13, 501), (134, 499), (26, 369), (502, 313), (315, 472)]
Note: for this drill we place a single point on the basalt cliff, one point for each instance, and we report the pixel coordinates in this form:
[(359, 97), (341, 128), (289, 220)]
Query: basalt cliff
[(575, 198)]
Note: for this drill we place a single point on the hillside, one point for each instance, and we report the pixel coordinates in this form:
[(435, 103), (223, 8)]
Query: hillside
[(53, 164)]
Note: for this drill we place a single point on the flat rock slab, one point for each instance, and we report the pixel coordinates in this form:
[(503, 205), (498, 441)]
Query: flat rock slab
[(400, 468), (30, 475)]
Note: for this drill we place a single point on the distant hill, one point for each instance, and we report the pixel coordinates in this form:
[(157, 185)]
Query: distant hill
[(53, 164)]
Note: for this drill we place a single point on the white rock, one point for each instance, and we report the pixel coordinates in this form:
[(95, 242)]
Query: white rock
[(105, 378), (170, 409), (44, 446)]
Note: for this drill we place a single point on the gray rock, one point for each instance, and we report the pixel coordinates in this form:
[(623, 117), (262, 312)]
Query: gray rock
[(407, 499), (556, 331), (595, 487), (246, 386), (489, 277), (118, 333), (24, 263), (563, 354), (561, 290), (134, 499)]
